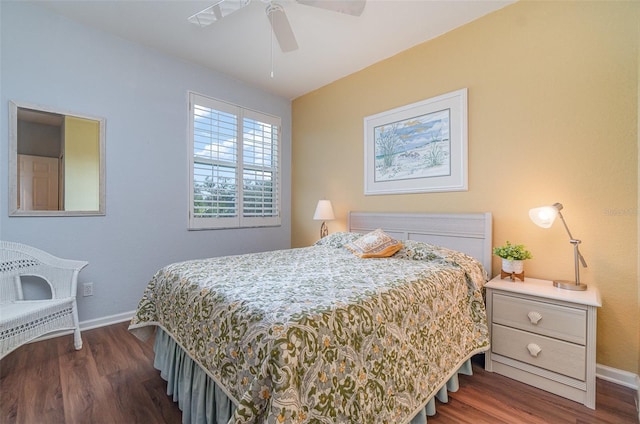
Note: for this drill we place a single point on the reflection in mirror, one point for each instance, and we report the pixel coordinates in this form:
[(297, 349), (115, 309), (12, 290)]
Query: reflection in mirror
[(56, 162)]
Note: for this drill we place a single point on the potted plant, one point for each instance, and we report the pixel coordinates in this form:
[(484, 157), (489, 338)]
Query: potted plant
[(512, 256)]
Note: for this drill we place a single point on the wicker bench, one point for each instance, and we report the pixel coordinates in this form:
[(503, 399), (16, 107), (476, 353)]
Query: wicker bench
[(22, 321)]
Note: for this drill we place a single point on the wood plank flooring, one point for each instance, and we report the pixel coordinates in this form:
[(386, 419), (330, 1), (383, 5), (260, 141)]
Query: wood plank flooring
[(112, 381)]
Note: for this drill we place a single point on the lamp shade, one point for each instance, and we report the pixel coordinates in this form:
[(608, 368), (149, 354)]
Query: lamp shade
[(545, 215), (324, 211)]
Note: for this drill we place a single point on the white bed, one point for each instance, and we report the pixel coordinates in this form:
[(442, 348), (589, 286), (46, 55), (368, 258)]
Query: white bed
[(319, 335)]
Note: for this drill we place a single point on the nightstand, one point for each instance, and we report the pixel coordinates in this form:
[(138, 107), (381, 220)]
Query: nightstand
[(544, 336)]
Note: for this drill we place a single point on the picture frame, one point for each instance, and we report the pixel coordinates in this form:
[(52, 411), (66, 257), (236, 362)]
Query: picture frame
[(418, 148)]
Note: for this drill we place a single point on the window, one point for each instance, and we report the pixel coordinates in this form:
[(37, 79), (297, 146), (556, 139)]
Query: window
[(235, 169)]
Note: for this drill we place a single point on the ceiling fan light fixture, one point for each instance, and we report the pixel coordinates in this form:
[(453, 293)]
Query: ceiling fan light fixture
[(216, 12), (280, 26)]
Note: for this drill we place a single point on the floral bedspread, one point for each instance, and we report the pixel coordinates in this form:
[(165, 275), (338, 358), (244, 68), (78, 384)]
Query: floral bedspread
[(318, 335)]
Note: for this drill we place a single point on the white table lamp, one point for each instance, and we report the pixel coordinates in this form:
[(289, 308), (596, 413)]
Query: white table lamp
[(324, 212)]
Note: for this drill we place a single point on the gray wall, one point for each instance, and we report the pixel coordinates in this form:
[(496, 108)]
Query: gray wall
[(52, 61)]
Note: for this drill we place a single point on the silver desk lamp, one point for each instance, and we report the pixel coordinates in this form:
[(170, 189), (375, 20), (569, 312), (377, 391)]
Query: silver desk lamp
[(544, 217)]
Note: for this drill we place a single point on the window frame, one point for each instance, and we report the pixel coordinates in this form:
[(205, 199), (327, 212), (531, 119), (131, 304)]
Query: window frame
[(240, 113)]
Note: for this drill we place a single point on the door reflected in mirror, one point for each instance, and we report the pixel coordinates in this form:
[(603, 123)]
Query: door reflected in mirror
[(56, 162)]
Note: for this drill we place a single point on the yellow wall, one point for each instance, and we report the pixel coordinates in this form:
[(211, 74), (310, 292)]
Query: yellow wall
[(553, 117), (81, 164)]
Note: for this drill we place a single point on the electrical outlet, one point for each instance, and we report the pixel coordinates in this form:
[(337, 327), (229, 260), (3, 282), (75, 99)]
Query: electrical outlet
[(87, 289)]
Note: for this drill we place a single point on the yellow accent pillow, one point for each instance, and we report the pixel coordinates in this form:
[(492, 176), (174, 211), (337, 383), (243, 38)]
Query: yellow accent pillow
[(376, 244)]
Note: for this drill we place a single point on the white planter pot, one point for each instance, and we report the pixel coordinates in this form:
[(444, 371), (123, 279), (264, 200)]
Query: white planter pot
[(512, 266)]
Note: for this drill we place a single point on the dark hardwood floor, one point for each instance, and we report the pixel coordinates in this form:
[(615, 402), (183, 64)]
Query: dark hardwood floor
[(112, 380)]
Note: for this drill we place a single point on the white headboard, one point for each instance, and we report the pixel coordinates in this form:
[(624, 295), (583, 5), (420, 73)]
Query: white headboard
[(469, 233)]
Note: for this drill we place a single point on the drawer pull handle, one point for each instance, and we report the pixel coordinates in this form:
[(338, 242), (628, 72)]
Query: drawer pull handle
[(534, 349), (534, 317)]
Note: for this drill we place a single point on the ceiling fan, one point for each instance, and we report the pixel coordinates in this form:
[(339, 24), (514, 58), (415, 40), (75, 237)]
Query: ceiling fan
[(276, 15)]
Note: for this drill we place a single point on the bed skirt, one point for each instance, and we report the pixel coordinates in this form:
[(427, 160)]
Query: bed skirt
[(202, 401)]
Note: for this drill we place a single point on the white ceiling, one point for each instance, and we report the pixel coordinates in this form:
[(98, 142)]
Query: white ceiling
[(331, 45)]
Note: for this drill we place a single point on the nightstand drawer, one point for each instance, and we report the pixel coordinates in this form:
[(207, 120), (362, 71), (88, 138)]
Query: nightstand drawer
[(540, 351), (557, 321)]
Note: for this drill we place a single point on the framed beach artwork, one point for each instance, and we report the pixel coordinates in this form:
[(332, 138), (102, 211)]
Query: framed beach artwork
[(421, 147)]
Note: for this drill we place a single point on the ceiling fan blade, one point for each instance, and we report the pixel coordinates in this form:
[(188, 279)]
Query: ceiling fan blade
[(281, 27), (350, 7)]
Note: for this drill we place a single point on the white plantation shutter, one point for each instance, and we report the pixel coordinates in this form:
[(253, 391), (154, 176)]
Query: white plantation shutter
[(235, 178), (260, 167)]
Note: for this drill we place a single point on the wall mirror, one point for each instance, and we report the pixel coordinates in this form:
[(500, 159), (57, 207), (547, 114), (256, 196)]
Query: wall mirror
[(56, 162)]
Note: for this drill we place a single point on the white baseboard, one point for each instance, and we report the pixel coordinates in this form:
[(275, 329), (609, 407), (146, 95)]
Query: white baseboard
[(614, 375), (638, 396), (109, 320), (90, 324), (623, 378)]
